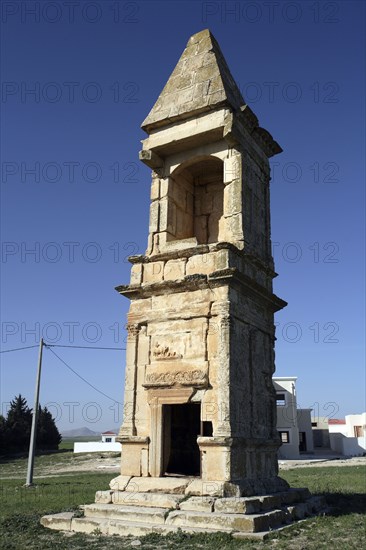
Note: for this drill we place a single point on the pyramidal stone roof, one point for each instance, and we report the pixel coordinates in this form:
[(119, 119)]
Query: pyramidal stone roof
[(200, 82)]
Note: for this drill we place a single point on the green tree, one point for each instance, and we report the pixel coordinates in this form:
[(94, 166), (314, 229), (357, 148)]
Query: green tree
[(2, 432), (17, 425), (15, 429), (48, 436)]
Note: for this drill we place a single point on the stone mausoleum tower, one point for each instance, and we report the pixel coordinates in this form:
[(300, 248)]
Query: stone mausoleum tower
[(199, 439), (199, 399)]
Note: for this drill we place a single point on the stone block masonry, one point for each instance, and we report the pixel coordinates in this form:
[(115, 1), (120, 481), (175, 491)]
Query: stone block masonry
[(199, 438)]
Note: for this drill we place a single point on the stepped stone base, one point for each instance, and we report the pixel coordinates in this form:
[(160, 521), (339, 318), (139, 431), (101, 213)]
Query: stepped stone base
[(145, 509)]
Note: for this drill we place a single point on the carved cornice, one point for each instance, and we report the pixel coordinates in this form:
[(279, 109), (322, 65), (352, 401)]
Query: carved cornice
[(252, 288), (230, 276), (195, 377), (266, 142), (245, 121)]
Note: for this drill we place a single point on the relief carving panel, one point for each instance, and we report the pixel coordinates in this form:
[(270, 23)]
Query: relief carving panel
[(178, 354), (164, 352)]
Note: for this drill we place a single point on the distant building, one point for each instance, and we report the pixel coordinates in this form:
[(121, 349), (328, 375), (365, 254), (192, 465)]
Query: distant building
[(348, 436), (293, 424), (320, 429), (107, 444), (109, 437)]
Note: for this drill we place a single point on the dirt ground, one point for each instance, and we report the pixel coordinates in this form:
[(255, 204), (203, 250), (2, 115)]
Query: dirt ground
[(307, 462), (86, 463), (92, 463)]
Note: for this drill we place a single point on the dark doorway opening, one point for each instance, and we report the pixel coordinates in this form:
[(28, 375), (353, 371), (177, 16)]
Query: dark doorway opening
[(182, 425), (302, 441)]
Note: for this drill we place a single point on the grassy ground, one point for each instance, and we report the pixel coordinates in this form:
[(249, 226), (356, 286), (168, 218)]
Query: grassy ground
[(13, 468), (66, 445), (343, 528), (68, 442), (51, 462), (52, 493)]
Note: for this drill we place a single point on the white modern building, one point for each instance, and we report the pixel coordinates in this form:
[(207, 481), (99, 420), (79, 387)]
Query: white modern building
[(108, 443), (320, 429), (293, 424), (109, 437), (348, 436)]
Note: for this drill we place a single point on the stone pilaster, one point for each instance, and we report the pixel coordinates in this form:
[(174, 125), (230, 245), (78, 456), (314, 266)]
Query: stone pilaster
[(129, 406)]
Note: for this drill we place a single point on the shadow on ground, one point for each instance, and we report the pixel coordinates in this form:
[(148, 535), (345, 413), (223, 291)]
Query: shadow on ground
[(341, 504)]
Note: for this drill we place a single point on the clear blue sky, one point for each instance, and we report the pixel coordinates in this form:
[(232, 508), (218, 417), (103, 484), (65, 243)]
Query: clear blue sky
[(95, 70)]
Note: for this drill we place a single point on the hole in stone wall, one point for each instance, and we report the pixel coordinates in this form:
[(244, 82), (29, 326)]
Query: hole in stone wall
[(207, 429)]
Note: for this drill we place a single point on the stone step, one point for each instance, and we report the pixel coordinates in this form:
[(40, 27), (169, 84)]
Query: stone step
[(198, 512), (158, 500), (111, 527), (138, 521), (125, 528), (59, 522), (163, 513), (187, 518), (172, 485), (229, 505), (134, 514), (252, 523)]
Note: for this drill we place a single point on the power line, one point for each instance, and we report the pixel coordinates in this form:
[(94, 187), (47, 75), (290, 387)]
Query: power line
[(82, 347), (81, 377), (63, 346), (18, 349)]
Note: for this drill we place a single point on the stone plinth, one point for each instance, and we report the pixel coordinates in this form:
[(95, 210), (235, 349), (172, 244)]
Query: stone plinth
[(166, 505)]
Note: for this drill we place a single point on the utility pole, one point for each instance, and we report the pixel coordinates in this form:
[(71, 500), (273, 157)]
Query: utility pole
[(32, 443)]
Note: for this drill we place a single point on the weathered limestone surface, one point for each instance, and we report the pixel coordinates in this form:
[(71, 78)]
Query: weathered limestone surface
[(60, 522), (202, 307), (200, 81), (238, 505), (168, 485), (119, 483), (127, 513), (197, 504), (199, 431), (161, 500), (143, 513), (104, 497)]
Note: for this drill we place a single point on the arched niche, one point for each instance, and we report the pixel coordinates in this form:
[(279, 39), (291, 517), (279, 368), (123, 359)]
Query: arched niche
[(196, 200)]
